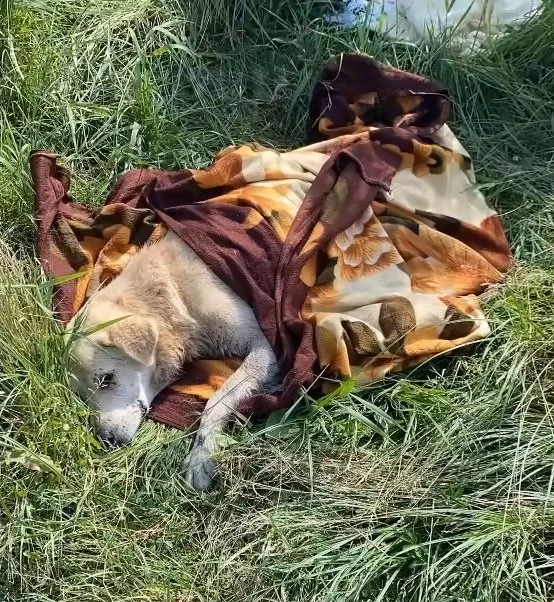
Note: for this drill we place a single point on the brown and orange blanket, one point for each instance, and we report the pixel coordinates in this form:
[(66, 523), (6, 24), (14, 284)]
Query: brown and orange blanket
[(361, 254)]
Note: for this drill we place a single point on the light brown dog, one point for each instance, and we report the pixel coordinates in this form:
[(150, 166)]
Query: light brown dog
[(166, 308)]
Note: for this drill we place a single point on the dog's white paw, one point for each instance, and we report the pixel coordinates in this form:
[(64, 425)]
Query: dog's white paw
[(201, 469)]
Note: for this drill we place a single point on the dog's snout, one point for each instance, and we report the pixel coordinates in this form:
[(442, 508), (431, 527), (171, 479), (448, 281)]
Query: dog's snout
[(117, 428)]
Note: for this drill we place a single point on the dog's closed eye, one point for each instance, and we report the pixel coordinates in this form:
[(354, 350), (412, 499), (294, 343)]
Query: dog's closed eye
[(104, 381)]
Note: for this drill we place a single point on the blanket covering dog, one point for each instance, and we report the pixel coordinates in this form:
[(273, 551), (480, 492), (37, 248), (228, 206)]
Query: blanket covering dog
[(361, 254)]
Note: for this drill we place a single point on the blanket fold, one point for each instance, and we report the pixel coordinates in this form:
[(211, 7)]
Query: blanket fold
[(360, 254)]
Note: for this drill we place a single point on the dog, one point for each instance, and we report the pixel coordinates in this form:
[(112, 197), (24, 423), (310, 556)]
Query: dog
[(131, 339)]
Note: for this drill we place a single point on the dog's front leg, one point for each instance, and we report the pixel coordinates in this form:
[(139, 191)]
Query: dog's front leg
[(259, 370)]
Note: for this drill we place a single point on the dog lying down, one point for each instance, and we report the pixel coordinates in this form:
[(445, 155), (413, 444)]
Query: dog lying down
[(166, 308)]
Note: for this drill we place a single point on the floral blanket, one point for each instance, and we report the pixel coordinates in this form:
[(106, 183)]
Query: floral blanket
[(362, 254)]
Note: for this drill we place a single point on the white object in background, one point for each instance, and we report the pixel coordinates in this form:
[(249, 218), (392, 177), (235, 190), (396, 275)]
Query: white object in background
[(471, 21), (355, 11)]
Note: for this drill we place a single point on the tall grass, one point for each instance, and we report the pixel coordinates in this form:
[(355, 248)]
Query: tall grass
[(430, 486)]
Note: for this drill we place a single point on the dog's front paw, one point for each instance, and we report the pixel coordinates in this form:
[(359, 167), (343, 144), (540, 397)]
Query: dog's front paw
[(201, 471)]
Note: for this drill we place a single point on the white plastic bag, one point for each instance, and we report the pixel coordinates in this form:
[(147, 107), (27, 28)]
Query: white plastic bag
[(469, 21)]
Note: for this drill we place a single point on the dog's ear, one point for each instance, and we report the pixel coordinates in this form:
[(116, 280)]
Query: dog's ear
[(137, 337)]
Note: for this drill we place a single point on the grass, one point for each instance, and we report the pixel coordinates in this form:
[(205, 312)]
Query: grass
[(437, 487)]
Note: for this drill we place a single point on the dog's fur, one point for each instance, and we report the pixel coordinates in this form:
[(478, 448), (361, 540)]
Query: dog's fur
[(166, 308)]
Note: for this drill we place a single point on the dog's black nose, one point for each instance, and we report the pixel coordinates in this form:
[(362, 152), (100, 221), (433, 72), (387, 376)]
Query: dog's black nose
[(110, 441)]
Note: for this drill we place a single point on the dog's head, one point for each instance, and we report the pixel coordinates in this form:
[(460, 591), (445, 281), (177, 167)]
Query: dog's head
[(114, 367)]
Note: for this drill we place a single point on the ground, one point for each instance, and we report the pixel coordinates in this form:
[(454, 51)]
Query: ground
[(431, 486)]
